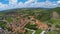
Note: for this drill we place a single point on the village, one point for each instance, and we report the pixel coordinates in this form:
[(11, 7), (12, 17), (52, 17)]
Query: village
[(18, 23)]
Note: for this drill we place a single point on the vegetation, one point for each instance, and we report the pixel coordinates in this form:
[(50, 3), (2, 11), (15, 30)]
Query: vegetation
[(54, 32), (9, 19), (40, 14), (54, 21), (28, 32), (57, 26), (38, 31), (3, 24), (29, 26), (20, 33)]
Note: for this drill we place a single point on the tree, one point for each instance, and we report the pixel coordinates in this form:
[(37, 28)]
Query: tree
[(31, 26), (3, 24), (57, 26)]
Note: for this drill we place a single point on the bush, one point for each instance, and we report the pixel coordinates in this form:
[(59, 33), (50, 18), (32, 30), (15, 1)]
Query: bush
[(57, 26), (31, 26), (54, 21), (3, 24)]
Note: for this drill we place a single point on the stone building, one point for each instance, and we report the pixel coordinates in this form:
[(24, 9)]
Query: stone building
[(2, 31)]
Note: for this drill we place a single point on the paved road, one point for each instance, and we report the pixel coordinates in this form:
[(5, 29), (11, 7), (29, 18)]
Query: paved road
[(42, 32), (35, 31), (31, 30), (7, 23)]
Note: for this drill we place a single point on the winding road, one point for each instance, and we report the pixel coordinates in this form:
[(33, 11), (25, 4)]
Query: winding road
[(42, 32), (31, 30), (35, 31), (7, 23)]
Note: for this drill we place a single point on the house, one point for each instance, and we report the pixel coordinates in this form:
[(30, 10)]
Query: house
[(1, 31), (40, 25), (17, 24)]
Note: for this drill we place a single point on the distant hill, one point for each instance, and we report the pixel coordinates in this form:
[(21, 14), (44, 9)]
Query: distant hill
[(25, 8), (32, 9)]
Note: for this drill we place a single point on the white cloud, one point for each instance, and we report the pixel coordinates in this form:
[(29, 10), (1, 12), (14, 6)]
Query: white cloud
[(58, 1), (29, 3), (14, 2), (3, 6), (20, 5), (34, 3)]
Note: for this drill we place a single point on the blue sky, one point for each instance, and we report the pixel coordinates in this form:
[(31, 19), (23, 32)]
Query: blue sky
[(7, 1), (22, 0), (4, 1), (4, 4)]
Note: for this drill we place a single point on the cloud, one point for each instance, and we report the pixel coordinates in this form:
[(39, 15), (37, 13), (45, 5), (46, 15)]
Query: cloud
[(58, 1), (3, 6), (29, 3), (20, 5), (34, 3), (13, 3)]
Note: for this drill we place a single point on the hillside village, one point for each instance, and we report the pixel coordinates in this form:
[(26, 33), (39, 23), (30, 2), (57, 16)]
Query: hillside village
[(21, 21)]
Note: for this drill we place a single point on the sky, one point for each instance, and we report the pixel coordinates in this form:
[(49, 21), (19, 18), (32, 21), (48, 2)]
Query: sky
[(11, 4)]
